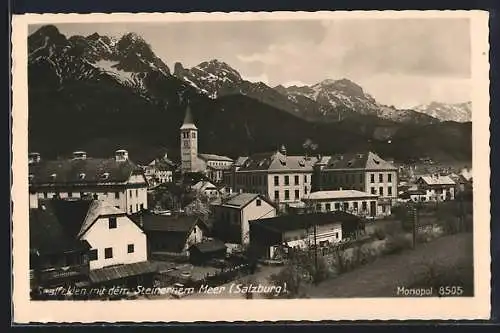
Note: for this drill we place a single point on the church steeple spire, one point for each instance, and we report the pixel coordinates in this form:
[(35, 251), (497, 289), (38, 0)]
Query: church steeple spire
[(188, 120)]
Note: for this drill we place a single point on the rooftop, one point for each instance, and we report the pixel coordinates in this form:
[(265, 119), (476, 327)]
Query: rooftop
[(213, 157), (437, 180), (274, 161), (341, 194), (365, 160)]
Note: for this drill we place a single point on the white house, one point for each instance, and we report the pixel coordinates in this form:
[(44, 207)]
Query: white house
[(113, 237), (232, 214), (437, 187), (206, 188), (117, 181)]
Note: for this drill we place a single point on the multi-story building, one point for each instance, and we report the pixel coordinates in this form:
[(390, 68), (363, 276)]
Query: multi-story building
[(211, 165), (159, 171), (118, 180), (281, 178), (365, 172)]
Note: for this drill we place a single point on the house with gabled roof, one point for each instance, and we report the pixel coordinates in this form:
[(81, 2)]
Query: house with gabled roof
[(116, 243), (117, 180), (362, 171), (282, 178), (437, 187), (231, 216)]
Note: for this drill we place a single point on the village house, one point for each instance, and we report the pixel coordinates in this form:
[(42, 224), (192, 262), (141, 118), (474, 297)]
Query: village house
[(364, 172), (271, 237), (117, 181), (282, 178), (413, 194), (231, 216), (210, 165), (118, 247), (201, 253), (170, 236), (351, 201), (159, 171), (206, 188), (57, 257), (437, 187)]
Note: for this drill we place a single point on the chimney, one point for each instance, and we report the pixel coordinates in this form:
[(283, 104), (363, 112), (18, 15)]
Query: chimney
[(121, 155), (33, 158), (341, 157), (79, 155), (283, 150)]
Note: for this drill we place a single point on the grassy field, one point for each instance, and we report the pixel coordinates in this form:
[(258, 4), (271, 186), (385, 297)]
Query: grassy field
[(450, 256)]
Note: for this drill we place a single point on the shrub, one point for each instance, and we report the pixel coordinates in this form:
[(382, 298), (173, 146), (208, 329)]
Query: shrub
[(397, 243)]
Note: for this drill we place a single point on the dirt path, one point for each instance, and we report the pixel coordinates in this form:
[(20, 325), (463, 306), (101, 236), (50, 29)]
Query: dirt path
[(382, 277)]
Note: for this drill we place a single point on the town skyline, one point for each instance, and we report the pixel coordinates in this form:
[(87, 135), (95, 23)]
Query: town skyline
[(431, 54)]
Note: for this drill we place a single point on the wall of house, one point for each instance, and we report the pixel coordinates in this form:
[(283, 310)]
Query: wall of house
[(100, 236), (196, 236), (251, 182), (343, 179), (254, 212), (354, 205), (293, 191), (383, 183), (441, 193), (328, 233)]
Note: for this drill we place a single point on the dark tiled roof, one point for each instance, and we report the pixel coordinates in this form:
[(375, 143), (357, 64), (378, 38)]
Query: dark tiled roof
[(49, 235), (210, 246), (275, 161), (121, 271), (365, 160), (240, 200), (174, 223), (70, 213), (93, 170), (301, 221)]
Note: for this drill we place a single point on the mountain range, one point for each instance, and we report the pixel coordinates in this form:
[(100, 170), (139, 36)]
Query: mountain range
[(99, 93)]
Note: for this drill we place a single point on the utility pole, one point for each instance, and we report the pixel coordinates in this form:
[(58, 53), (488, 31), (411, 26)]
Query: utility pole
[(414, 217)]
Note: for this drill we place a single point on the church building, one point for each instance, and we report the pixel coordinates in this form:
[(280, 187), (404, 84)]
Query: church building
[(210, 165)]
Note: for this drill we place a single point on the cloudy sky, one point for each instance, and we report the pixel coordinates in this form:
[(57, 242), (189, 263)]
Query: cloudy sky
[(400, 62)]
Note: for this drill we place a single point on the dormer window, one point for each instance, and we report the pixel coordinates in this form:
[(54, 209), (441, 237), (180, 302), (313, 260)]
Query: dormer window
[(105, 175), (81, 176), (376, 161), (53, 176), (302, 163)]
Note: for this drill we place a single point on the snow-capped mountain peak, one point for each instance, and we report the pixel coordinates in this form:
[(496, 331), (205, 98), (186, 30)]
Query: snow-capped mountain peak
[(459, 112)]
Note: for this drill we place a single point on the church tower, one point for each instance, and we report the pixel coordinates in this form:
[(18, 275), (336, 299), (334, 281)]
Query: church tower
[(189, 143)]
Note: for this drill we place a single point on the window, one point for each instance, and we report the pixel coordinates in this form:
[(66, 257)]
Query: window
[(259, 202), (136, 193), (318, 207), (142, 206), (93, 254), (82, 194), (363, 205), (346, 206), (337, 206), (130, 193), (328, 207), (287, 195), (389, 177), (372, 178), (297, 194), (380, 178), (389, 191), (45, 195), (186, 144), (305, 189), (117, 207), (276, 180), (108, 253), (112, 223), (193, 135), (381, 191), (296, 180), (337, 235), (136, 207), (117, 195), (276, 195), (130, 208), (70, 194), (361, 178), (305, 178), (130, 248), (373, 190), (287, 180), (355, 203)]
